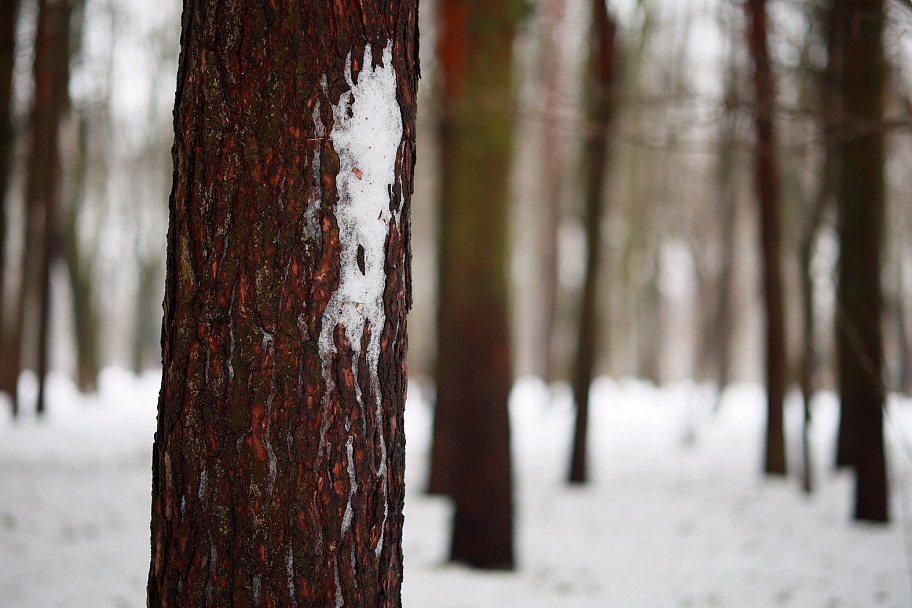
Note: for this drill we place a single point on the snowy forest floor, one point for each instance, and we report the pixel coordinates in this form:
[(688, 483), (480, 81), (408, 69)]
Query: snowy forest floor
[(678, 513)]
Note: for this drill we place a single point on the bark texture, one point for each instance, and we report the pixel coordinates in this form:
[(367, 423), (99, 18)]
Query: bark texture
[(602, 62), (279, 455), (471, 453), (861, 230), (767, 188)]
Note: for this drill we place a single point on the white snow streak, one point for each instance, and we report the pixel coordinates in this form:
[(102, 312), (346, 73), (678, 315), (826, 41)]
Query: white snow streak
[(366, 134)]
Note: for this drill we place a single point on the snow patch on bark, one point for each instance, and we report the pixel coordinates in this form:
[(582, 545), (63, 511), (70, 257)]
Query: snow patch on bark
[(366, 134)]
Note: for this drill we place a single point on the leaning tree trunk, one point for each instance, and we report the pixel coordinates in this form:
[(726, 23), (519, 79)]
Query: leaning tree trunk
[(279, 455), (861, 229), (602, 63), (767, 188), (9, 12), (471, 453)]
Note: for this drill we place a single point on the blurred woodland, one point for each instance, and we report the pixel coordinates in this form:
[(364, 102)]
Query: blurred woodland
[(662, 189)]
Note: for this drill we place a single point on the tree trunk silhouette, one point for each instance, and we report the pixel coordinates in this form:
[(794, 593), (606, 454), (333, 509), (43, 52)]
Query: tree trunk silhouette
[(767, 189), (9, 13), (861, 229), (602, 63), (471, 451), (279, 454)]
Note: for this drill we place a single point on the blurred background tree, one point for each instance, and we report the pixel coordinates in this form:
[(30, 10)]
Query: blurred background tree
[(680, 268)]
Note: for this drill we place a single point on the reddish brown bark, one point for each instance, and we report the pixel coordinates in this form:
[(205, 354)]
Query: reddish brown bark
[(603, 63), (861, 229), (767, 188), (279, 455), (9, 12), (471, 453)]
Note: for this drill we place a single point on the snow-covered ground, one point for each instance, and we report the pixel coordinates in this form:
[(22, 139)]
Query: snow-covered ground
[(677, 515)]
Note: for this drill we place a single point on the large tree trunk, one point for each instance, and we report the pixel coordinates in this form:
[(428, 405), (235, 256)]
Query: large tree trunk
[(9, 13), (471, 453), (602, 62), (861, 229), (767, 188), (279, 455)]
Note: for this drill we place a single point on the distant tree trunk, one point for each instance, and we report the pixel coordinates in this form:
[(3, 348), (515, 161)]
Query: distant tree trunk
[(727, 205), (51, 75), (829, 100), (147, 279), (471, 453), (80, 271), (602, 64), (551, 182), (279, 455), (767, 188), (9, 13), (861, 228)]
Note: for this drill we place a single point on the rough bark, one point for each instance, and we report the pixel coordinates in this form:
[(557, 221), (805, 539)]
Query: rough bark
[(9, 13), (471, 453), (766, 181), (861, 230), (279, 454), (602, 62)]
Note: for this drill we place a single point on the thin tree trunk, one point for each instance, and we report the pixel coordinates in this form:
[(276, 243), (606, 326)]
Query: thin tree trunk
[(54, 74), (145, 310), (9, 13), (826, 186), (279, 455), (767, 188), (602, 64), (471, 453), (80, 271), (727, 205), (552, 177), (861, 229)]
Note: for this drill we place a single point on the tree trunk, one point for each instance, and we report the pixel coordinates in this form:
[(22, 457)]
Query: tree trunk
[(767, 188), (602, 62), (551, 185), (279, 455), (148, 272), (829, 100), (80, 271), (727, 170), (52, 77), (861, 228), (471, 454), (9, 13)]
